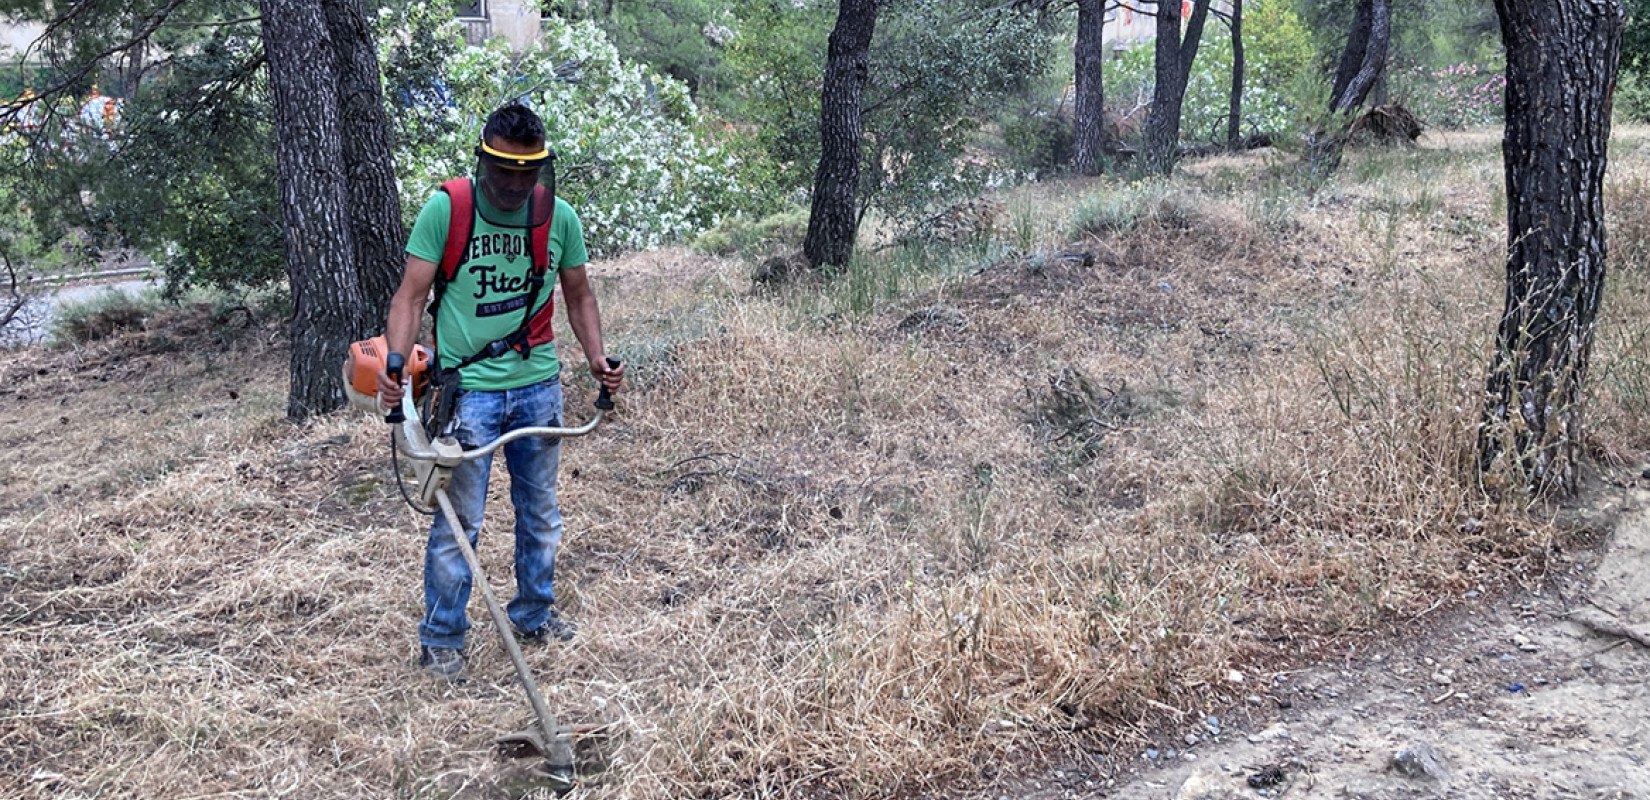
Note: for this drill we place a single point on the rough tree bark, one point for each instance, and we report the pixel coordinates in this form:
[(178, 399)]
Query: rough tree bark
[(1234, 113), (328, 310), (1352, 55), (833, 221), (1090, 111), (1174, 56), (368, 152), (1562, 58), (1363, 67)]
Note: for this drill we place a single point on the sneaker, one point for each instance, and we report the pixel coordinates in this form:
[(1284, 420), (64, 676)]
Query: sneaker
[(446, 663), (554, 627)]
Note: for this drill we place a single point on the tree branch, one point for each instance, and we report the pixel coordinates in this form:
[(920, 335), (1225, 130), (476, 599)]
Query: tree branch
[(221, 24), (73, 77), (15, 301)]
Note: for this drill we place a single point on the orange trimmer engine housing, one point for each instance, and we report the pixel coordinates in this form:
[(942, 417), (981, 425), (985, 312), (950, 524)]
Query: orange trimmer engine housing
[(366, 360)]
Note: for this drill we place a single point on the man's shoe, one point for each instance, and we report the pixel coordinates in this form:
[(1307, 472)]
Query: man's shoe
[(446, 663), (553, 628)]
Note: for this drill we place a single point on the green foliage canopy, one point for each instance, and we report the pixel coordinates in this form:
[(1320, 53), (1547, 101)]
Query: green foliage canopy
[(939, 71), (679, 38), (1280, 81), (630, 156)]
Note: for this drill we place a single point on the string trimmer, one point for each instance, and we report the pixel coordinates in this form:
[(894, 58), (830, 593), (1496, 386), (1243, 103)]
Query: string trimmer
[(434, 451)]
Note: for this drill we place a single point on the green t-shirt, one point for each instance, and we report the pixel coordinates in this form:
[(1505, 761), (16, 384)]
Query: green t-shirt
[(483, 302)]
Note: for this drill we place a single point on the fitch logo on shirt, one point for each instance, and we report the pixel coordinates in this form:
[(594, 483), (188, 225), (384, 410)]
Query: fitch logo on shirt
[(493, 280)]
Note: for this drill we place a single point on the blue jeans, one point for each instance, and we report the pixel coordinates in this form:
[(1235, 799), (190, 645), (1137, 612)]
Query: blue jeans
[(533, 463)]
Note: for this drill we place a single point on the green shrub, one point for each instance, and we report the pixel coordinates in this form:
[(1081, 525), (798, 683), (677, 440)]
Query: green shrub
[(745, 236), (102, 315), (1278, 76), (1038, 141), (1632, 97)]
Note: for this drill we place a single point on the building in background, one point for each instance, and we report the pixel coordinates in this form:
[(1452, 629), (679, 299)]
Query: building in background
[(16, 37), (516, 21)]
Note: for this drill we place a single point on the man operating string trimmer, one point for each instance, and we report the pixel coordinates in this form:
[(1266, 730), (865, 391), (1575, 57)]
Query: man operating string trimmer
[(485, 247)]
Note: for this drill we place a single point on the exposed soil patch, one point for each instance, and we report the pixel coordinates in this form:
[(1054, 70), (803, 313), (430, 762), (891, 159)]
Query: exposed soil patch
[(1508, 697)]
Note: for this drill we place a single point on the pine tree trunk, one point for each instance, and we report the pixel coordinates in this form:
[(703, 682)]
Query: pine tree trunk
[(1174, 57), (1163, 127), (1234, 113), (1352, 56), (1090, 111), (1372, 62), (369, 167), (1562, 57), (833, 221), (327, 307)]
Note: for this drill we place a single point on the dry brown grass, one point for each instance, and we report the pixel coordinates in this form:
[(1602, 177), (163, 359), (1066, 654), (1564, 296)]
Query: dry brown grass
[(1014, 518)]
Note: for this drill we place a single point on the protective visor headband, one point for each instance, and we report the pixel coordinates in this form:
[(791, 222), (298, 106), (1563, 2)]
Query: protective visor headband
[(522, 161)]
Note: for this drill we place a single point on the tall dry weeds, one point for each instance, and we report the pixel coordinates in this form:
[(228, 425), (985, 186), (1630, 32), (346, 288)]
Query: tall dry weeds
[(1022, 517)]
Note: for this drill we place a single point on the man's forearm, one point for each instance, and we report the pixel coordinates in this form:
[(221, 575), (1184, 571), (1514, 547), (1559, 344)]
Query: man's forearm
[(586, 320), (401, 330)]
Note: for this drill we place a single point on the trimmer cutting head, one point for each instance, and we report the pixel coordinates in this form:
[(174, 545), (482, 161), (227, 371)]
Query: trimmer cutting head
[(575, 749)]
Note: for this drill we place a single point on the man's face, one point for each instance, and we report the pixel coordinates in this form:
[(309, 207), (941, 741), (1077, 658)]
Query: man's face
[(508, 189)]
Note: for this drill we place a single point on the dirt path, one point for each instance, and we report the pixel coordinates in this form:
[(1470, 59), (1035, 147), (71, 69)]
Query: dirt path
[(1524, 697)]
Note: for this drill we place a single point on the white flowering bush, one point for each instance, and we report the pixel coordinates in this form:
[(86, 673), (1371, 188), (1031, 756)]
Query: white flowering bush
[(629, 155)]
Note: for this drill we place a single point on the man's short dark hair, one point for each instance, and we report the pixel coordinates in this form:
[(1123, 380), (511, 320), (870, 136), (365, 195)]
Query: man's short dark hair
[(516, 123)]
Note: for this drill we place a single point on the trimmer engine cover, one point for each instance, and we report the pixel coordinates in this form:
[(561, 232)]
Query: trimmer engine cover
[(366, 360)]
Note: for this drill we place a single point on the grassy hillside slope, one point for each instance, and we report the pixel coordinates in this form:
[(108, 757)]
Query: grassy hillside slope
[(963, 513)]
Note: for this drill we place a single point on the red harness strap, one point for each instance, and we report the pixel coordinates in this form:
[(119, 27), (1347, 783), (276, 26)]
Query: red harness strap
[(536, 329)]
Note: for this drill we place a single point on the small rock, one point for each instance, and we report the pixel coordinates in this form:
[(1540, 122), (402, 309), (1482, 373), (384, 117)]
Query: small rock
[(1234, 676), (1520, 639), (1274, 731), (1151, 754), (1586, 665), (1441, 678), (1191, 739), (1365, 789), (1253, 700), (1202, 786), (1420, 761)]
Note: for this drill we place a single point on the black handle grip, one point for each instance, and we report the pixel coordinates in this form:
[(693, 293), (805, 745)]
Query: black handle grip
[(604, 398), (394, 364)]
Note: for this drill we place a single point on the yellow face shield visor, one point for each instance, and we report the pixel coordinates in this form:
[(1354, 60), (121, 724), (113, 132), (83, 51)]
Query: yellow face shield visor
[(514, 161)]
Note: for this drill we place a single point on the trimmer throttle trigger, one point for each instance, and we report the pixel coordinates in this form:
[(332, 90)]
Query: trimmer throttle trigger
[(604, 398), (394, 364)]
